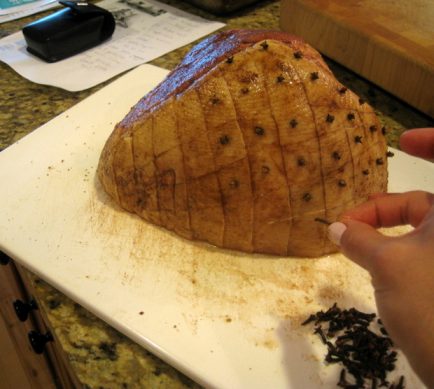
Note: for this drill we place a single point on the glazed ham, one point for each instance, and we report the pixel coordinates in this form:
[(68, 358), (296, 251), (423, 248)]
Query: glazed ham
[(246, 145)]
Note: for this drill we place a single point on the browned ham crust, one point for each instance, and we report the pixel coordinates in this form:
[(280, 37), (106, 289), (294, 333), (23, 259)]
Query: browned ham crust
[(244, 145)]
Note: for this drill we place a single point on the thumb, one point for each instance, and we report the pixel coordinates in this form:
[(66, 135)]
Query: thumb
[(358, 241)]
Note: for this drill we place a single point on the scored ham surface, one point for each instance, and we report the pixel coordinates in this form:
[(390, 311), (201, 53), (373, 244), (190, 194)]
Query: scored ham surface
[(245, 144)]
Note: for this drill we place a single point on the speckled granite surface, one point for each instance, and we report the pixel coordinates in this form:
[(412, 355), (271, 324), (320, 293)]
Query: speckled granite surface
[(100, 356)]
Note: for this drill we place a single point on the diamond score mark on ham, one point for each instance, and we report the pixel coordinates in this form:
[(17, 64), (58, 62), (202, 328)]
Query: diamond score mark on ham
[(246, 145)]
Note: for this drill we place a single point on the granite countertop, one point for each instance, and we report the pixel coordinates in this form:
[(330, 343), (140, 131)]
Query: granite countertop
[(100, 356)]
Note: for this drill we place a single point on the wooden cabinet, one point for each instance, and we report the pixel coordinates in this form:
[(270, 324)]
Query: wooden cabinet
[(20, 366)]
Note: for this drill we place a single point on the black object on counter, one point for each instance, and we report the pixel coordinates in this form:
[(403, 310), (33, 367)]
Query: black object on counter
[(221, 7), (78, 27)]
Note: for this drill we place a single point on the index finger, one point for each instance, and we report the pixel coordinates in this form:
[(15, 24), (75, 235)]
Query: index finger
[(418, 142), (393, 209)]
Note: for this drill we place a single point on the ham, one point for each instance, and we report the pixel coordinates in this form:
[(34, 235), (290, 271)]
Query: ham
[(245, 145)]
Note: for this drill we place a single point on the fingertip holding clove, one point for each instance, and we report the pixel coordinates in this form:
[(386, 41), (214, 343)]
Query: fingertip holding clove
[(335, 231), (323, 221)]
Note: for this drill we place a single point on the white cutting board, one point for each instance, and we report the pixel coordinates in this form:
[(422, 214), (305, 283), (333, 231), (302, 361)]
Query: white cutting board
[(226, 319)]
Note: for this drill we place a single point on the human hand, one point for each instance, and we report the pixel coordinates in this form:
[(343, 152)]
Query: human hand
[(402, 268)]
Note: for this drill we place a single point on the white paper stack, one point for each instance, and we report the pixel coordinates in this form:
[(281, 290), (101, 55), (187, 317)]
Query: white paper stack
[(145, 29), (16, 9)]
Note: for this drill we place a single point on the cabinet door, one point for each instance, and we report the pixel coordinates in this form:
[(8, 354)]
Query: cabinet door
[(12, 373), (20, 366), (64, 374)]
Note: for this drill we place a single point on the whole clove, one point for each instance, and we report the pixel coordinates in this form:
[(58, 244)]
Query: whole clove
[(265, 169), (326, 222), (336, 155), (365, 354), (307, 197), (293, 123), (330, 118), (234, 184), (259, 131), (318, 330), (314, 76), (343, 383), (224, 140), (301, 161), (311, 317)]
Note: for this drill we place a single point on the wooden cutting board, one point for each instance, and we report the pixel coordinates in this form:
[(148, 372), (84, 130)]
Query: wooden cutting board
[(389, 42)]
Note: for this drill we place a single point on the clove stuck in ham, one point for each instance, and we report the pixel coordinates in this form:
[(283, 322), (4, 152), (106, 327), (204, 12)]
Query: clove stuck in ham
[(244, 145)]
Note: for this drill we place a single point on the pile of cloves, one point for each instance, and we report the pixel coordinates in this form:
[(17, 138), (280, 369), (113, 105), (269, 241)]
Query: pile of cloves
[(366, 355)]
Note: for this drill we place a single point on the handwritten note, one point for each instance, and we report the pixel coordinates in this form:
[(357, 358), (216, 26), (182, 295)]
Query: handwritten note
[(145, 29)]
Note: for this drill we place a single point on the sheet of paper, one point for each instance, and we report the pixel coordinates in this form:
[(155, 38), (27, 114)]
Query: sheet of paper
[(12, 6), (145, 29), (16, 9)]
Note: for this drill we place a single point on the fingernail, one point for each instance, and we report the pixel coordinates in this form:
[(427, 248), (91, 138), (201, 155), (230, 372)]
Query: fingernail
[(335, 231)]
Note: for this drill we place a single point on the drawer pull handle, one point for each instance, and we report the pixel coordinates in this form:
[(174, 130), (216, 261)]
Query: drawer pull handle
[(38, 340), (23, 309), (4, 259)]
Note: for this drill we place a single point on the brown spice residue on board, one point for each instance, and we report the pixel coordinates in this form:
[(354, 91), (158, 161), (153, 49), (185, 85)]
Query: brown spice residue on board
[(283, 288), (256, 291), (270, 343), (331, 293), (267, 339)]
